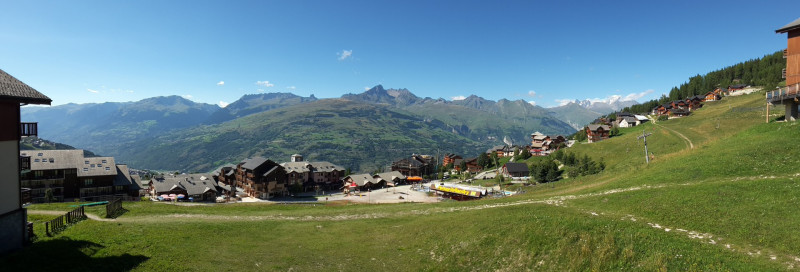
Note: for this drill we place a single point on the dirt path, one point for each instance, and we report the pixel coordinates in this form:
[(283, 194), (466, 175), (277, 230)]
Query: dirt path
[(690, 145)]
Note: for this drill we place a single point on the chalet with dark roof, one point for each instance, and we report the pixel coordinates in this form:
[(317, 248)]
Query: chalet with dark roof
[(450, 159), (321, 175), (194, 187), (712, 96), (415, 165), (13, 217), (261, 178), (514, 169), (597, 132)]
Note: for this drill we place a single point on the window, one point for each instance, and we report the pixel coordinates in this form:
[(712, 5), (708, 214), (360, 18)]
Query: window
[(85, 169), (40, 154), (88, 182), (36, 160), (108, 168), (93, 165), (52, 160), (104, 161), (85, 162)]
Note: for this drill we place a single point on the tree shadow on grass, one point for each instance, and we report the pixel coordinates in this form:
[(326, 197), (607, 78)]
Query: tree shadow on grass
[(65, 254)]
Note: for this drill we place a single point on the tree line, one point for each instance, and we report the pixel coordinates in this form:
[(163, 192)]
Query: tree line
[(764, 72)]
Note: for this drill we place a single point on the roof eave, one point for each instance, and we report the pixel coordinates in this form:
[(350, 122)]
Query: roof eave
[(26, 100)]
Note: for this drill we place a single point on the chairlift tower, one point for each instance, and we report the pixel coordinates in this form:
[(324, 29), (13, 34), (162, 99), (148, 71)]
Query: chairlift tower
[(644, 136)]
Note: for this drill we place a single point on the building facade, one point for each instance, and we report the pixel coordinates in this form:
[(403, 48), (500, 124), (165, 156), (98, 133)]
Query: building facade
[(13, 215)]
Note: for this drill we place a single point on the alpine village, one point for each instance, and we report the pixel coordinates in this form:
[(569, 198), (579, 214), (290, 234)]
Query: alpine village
[(703, 178)]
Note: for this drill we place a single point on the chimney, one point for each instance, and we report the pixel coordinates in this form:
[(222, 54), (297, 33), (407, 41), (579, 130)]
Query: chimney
[(297, 158)]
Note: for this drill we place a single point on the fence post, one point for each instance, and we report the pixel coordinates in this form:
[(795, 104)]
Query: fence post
[(47, 228)]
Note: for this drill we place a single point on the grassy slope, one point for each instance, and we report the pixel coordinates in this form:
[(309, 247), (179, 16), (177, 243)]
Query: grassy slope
[(734, 194)]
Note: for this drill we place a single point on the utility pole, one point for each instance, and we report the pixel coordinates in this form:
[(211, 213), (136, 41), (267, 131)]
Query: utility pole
[(644, 136)]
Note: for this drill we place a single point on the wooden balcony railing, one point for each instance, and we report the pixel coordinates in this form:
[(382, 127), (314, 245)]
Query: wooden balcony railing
[(28, 129), (24, 163), (783, 73), (785, 93), (785, 53), (25, 196)]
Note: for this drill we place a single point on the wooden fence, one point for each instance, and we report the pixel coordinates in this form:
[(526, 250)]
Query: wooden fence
[(60, 223), (114, 208)]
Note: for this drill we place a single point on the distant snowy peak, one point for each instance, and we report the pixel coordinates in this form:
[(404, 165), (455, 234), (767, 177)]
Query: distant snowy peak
[(608, 105)]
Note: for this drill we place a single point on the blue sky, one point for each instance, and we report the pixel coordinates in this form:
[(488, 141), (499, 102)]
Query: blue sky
[(540, 51)]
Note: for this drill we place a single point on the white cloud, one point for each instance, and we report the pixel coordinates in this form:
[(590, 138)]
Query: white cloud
[(531, 93), (533, 103), (562, 102), (187, 96), (345, 54), (223, 104), (265, 83), (637, 96), (221, 83), (93, 91), (291, 88), (460, 97)]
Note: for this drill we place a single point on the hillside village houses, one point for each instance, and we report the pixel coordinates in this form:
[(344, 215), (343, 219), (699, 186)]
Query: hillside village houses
[(415, 165), (194, 187), (14, 225), (596, 133)]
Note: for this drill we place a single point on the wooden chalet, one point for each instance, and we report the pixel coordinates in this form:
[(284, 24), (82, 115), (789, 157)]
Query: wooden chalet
[(193, 187), (513, 169), (261, 178), (313, 175), (789, 96), (695, 102), (597, 132), (449, 159), (13, 197), (712, 96), (415, 165)]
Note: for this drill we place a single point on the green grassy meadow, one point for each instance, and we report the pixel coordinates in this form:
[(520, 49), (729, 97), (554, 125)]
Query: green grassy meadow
[(727, 204)]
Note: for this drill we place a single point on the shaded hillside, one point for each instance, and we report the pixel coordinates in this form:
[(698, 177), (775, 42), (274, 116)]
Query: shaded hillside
[(36, 143), (351, 134), (105, 127)]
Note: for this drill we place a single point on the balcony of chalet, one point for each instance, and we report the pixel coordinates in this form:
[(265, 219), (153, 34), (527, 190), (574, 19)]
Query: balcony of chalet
[(28, 129), (786, 93), (24, 163), (25, 197)]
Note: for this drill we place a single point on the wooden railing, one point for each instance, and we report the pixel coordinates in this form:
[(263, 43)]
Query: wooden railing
[(60, 223), (24, 163), (114, 208), (28, 129), (784, 93)]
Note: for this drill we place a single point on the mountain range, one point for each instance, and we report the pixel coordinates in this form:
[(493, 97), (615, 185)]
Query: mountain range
[(363, 131)]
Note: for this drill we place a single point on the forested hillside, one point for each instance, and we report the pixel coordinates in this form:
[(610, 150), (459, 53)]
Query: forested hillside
[(764, 72)]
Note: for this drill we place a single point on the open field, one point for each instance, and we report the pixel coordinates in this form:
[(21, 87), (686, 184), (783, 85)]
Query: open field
[(729, 203)]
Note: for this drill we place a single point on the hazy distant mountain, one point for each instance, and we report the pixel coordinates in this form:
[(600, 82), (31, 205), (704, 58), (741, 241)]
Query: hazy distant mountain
[(379, 95), (574, 114), (104, 127), (255, 103)]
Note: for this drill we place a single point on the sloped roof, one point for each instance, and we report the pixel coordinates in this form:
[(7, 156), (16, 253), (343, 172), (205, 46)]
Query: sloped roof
[(124, 176), (193, 184), (71, 159), (302, 167), (517, 167), (14, 90), (594, 127), (253, 163), (390, 175), (361, 179), (791, 26)]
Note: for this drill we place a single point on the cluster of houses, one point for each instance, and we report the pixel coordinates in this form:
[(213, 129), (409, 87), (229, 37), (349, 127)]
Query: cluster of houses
[(541, 145)]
